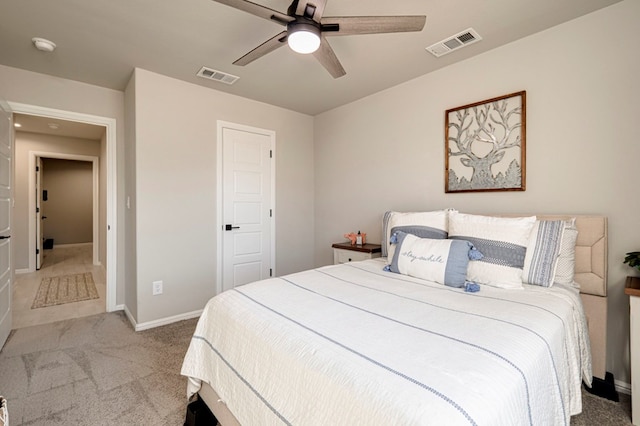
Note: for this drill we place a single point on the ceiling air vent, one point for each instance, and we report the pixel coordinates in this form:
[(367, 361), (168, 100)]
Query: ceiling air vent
[(216, 75), (464, 38)]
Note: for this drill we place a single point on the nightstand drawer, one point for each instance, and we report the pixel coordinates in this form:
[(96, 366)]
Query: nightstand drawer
[(345, 256)]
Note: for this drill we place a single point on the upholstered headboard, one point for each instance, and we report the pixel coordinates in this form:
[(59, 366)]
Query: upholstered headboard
[(591, 274), (591, 255)]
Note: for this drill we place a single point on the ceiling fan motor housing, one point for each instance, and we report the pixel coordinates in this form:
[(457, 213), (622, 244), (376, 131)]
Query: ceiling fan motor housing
[(303, 24)]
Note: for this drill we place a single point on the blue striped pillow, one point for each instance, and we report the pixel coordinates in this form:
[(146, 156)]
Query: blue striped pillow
[(542, 252)]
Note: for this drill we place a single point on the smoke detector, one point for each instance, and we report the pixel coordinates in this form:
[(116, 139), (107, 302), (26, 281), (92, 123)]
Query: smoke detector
[(449, 44), (43, 44)]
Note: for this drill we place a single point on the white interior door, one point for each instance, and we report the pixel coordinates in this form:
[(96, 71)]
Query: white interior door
[(6, 194), (247, 210), (39, 218)]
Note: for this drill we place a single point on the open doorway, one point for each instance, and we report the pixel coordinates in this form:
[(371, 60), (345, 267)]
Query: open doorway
[(55, 136), (67, 204), (65, 190)]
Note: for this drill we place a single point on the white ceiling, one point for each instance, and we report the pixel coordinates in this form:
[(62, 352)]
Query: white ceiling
[(58, 127), (100, 42)]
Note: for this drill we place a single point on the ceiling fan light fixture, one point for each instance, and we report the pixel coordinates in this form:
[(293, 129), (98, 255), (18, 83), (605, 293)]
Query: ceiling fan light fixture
[(303, 38)]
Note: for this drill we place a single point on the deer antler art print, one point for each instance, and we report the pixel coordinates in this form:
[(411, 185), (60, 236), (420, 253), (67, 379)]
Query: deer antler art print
[(485, 145)]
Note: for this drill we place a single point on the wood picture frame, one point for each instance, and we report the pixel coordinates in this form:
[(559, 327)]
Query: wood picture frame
[(485, 145)]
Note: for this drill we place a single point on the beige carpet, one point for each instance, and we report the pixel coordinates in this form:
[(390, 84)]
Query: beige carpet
[(65, 289), (97, 371)]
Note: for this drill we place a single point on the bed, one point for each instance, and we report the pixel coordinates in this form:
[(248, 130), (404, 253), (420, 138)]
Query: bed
[(355, 344)]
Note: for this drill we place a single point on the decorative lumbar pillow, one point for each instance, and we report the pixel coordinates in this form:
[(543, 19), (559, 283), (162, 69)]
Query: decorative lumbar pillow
[(431, 224), (565, 270), (442, 261), (542, 252), (502, 241)]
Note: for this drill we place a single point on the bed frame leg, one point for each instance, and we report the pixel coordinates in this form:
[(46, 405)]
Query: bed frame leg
[(604, 388), (198, 414)]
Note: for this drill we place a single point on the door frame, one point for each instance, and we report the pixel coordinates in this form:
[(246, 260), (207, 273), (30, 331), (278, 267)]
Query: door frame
[(33, 156), (112, 184), (6, 317), (221, 125), (38, 200)]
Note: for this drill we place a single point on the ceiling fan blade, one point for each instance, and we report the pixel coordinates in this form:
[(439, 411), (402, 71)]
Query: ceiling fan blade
[(266, 47), (326, 56), (312, 9), (258, 10), (351, 25)]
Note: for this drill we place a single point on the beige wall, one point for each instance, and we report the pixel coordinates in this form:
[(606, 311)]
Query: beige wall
[(69, 207), (25, 143), (582, 148), (42, 90), (175, 188)]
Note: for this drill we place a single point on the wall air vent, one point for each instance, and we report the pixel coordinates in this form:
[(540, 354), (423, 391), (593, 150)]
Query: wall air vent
[(449, 44), (216, 75)]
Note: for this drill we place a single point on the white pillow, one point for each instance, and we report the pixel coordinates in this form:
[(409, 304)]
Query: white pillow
[(432, 224), (542, 252), (502, 241), (565, 271)]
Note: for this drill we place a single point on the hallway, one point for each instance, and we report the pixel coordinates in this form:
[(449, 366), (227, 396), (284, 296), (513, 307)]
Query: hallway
[(62, 260)]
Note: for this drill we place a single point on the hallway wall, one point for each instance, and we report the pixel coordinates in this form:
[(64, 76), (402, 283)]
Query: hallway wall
[(69, 208), (24, 143)]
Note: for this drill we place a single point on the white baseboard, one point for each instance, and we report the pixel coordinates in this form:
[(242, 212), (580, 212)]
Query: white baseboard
[(623, 387), (71, 245), (22, 271), (162, 321), (129, 316), (118, 308)]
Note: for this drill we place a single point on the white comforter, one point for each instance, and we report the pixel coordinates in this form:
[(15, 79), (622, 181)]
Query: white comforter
[(354, 345)]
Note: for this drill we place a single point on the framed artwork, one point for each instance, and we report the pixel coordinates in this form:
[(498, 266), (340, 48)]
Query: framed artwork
[(485, 145)]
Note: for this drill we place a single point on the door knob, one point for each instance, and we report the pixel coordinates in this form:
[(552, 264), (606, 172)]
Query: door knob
[(228, 227)]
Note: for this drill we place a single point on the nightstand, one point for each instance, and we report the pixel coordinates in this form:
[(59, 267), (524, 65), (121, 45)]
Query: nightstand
[(345, 252), (632, 289)]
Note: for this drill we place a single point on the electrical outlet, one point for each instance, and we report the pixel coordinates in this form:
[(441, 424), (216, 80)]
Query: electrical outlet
[(157, 288)]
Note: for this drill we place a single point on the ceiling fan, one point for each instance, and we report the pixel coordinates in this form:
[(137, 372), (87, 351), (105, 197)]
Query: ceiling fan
[(306, 29)]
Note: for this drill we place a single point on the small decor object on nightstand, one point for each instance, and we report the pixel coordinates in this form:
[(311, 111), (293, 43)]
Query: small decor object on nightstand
[(356, 239)]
